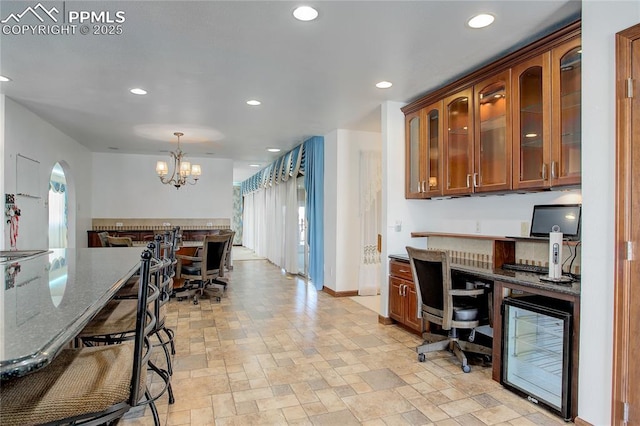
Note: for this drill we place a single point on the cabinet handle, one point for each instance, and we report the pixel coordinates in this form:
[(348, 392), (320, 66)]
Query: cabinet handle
[(400, 290), (544, 171), (468, 181), (404, 290), (419, 186), (553, 170), (424, 186), (475, 180)]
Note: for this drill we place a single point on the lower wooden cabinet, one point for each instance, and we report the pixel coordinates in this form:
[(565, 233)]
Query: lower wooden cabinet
[(403, 299)]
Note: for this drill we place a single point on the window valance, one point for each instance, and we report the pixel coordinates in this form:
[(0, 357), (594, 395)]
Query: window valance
[(286, 166)]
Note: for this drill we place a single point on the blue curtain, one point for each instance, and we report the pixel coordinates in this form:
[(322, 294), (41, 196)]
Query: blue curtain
[(314, 184)]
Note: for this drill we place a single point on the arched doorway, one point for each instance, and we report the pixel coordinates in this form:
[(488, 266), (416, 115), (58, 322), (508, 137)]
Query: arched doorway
[(58, 208)]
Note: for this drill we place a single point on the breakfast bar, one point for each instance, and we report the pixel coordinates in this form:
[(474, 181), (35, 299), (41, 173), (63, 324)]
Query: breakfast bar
[(48, 297)]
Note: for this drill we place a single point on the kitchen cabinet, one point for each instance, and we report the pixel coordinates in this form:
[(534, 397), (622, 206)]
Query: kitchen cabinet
[(478, 137), (403, 299), (458, 143), (424, 148), (492, 142), (512, 125), (547, 119)]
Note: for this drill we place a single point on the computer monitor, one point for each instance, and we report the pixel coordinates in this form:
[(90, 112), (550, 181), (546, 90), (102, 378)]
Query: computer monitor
[(566, 216)]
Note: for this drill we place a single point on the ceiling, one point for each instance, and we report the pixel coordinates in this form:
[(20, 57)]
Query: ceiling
[(200, 61)]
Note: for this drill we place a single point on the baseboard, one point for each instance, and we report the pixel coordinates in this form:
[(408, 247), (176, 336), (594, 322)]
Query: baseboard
[(384, 320), (340, 293), (579, 422)]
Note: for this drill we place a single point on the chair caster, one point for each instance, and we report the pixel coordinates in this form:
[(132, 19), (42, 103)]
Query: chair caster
[(422, 357), (466, 368)]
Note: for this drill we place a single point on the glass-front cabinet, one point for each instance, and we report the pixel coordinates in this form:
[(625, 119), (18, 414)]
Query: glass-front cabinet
[(492, 154), (547, 119), (513, 125), (566, 85), (458, 143), (531, 122), (424, 147)]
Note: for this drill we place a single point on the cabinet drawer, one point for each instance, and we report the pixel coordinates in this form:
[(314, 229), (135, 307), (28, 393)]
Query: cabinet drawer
[(401, 270)]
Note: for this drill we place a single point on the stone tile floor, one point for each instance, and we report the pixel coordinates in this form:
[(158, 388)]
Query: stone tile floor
[(275, 351)]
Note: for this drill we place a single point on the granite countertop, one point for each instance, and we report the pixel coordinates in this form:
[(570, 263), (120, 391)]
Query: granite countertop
[(486, 271), (50, 297)]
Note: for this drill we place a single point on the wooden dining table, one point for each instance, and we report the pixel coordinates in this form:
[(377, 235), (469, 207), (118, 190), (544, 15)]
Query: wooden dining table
[(47, 298)]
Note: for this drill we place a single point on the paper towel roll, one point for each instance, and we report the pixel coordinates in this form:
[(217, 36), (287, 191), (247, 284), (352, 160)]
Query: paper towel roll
[(555, 254)]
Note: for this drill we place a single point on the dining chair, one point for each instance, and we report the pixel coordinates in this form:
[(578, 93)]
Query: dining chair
[(205, 269), (89, 385), (119, 241), (441, 304)]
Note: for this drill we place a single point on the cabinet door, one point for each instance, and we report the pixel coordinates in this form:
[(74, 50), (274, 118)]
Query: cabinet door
[(432, 119), (396, 299), (492, 160), (566, 85), (531, 122), (458, 143), (414, 159), (411, 299)]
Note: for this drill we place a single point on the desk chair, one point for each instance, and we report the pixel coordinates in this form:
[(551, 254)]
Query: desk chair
[(441, 304), (119, 241), (204, 269), (104, 241), (88, 385)]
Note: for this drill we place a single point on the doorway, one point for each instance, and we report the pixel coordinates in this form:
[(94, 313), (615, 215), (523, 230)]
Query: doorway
[(626, 370), (58, 208)]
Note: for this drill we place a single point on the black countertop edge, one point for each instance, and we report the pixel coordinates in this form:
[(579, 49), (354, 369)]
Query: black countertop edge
[(485, 271)]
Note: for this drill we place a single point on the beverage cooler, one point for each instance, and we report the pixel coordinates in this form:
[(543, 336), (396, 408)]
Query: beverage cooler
[(536, 351)]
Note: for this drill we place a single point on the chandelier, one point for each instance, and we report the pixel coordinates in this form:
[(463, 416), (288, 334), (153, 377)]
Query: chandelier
[(181, 169)]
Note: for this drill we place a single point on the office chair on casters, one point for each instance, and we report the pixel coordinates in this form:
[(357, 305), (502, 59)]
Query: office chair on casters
[(439, 303), (204, 269)]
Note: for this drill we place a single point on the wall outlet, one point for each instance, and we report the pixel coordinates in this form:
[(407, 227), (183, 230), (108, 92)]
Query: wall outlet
[(477, 226), (166, 224), (209, 223), (119, 224)]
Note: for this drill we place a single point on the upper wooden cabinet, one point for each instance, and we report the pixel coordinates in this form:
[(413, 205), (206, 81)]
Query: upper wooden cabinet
[(458, 143), (477, 140), (492, 102), (566, 119), (511, 125), (424, 148), (547, 119)]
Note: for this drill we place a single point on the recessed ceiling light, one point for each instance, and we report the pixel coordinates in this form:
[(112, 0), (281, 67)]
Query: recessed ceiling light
[(273, 149), (3, 78), (254, 165), (480, 21), (138, 91), (305, 13), (253, 102), (384, 85)]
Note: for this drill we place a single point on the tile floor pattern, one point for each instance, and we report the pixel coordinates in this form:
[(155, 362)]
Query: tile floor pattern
[(275, 352)]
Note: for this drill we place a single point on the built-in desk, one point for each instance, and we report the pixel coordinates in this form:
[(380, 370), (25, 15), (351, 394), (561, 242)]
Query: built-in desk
[(507, 281)]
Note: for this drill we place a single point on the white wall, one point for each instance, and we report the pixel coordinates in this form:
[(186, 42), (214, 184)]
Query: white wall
[(29, 135), (342, 198), (600, 21), (2, 191), (126, 186)]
